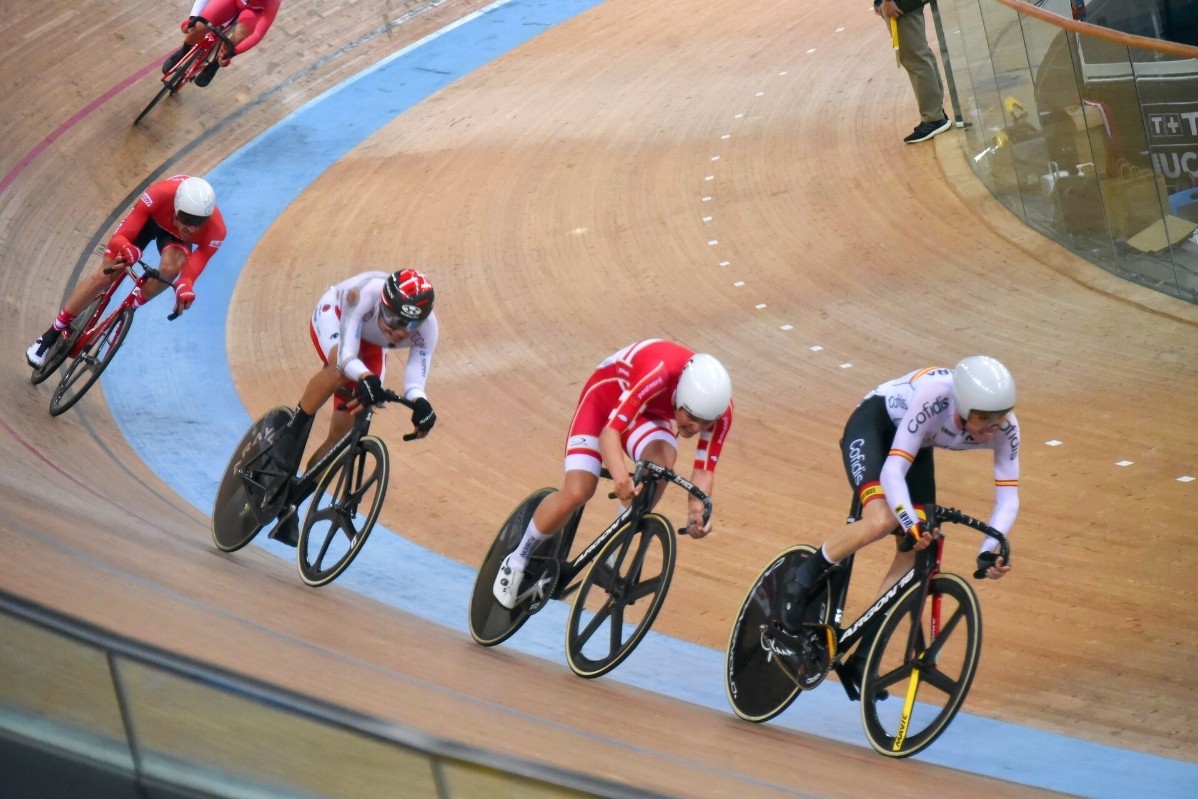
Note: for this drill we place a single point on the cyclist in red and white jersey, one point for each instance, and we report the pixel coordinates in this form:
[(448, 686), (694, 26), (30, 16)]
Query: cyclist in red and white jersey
[(887, 450), (254, 18), (354, 325), (180, 216), (638, 402)]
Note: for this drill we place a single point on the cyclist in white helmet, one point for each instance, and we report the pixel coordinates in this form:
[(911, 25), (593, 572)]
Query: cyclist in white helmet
[(637, 402), (179, 215), (887, 450)]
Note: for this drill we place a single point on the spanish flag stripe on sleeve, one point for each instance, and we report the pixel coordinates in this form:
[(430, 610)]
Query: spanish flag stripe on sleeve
[(922, 372), (1007, 483), (904, 455)]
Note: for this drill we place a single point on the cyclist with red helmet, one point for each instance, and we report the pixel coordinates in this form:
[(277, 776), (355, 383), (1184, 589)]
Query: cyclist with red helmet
[(887, 451), (254, 18), (353, 327), (638, 402), (179, 215)]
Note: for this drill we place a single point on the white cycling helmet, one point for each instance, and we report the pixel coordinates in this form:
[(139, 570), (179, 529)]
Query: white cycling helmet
[(981, 383), (704, 388), (194, 200)]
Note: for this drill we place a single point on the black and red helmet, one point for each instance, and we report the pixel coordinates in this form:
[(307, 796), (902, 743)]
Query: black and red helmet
[(407, 300)]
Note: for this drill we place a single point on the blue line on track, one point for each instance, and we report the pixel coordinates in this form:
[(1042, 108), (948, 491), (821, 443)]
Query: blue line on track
[(173, 398)]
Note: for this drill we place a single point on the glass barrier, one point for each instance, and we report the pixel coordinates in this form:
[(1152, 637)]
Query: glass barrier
[(74, 695), (1087, 135)]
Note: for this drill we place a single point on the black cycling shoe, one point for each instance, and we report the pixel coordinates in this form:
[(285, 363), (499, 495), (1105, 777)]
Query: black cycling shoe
[(174, 58), (207, 74), (287, 530), (852, 673)]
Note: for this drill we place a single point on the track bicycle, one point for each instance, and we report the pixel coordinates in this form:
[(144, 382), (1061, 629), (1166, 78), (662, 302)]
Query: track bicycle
[(920, 641), (630, 564), (192, 63), (347, 485), (92, 340)]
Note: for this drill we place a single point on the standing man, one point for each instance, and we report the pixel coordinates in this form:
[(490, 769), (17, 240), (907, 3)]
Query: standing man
[(916, 57)]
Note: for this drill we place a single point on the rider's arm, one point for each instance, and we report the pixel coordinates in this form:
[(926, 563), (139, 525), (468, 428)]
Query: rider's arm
[(916, 429), (420, 357), (703, 479), (208, 239), (353, 311), (130, 226), (611, 450), (1006, 481), (197, 10), (264, 22)]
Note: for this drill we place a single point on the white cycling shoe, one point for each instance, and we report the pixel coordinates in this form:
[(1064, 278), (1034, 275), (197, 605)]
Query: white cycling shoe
[(36, 354), (507, 584)]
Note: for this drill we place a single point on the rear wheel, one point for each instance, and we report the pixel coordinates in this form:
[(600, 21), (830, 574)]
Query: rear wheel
[(758, 686), (61, 348), (90, 363), (343, 511), (925, 655), (490, 622), (237, 515), (620, 596)]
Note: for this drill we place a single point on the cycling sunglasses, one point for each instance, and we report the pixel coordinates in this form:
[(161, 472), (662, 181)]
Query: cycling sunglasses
[(396, 321), (191, 220)]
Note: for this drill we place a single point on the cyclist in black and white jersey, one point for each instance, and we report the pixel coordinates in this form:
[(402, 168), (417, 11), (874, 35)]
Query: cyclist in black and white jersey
[(887, 450)]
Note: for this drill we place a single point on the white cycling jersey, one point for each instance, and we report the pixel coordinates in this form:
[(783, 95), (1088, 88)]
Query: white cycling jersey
[(921, 405), (347, 317)]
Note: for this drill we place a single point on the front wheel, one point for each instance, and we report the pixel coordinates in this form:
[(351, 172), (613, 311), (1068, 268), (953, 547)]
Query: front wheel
[(91, 361), (620, 596), (172, 81), (924, 654), (237, 513), (343, 511)]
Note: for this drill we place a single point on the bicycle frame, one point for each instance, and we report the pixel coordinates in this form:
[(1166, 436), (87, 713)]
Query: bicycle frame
[(926, 566), (209, 51), (642, 503), (98, 320)]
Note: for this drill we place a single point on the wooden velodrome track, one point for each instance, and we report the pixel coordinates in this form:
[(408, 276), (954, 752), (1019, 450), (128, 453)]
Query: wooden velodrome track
[(558, 198)]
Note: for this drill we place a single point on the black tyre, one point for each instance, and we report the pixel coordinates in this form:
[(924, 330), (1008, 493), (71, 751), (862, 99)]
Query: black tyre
[(926, 676), (237, 513), (83, 372), (756, 688), (171, 81), (61, 348), (490, 622), (620, 596), (343, 511)]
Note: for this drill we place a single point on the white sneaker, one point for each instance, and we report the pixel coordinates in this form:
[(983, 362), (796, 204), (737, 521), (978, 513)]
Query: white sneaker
[(36, 354), (507, 584)]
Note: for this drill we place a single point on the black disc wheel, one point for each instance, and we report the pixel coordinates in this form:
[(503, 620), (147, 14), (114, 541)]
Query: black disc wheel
[(924, 655), (237, 513), (620, 596), (758, 683), (490, 622)]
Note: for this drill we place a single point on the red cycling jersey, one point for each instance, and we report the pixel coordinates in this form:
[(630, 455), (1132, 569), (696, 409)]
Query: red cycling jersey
[(633, 386), (157, 204), (257, 15)]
